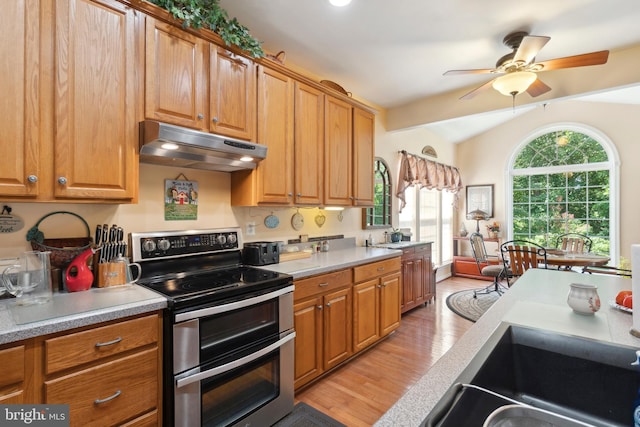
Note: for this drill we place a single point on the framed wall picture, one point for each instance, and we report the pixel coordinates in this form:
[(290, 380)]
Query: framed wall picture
[(480, 197)]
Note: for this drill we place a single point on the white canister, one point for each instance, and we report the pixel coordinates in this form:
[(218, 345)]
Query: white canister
[(583, 298)]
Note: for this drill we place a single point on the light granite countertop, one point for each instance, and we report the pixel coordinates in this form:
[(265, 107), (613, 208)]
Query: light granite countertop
[(72, 310), (537, 300), (338, 259)]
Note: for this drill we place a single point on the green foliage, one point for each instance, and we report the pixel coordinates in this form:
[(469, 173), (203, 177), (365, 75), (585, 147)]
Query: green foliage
[(209, 14)]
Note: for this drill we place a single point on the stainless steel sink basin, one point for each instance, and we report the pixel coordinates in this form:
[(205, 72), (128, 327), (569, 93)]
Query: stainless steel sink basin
[(586, 380)]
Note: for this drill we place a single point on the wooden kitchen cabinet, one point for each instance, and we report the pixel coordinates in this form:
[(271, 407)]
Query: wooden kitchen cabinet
[(175, 89), (232, 88), (322, 320), (363, 157), (290, 124), (338, 152), (417, 276), (16, 360), (376, 301), (108, 374), (70, 87)]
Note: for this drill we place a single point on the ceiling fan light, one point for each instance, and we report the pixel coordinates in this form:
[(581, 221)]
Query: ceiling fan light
[(339, 3), (512, 84)]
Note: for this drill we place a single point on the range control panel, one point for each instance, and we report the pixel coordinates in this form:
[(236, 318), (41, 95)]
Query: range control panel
[(175, 244)]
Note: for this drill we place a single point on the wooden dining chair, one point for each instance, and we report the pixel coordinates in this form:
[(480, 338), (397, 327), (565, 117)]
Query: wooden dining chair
[(574, 242), (521, 255), (485, 267)]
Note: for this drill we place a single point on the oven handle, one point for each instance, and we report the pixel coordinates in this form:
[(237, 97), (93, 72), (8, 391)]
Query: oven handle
[(236, 363), (209, 311)]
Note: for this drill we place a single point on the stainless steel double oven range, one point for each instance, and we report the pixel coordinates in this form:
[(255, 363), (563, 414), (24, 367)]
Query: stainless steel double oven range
[(228, 334)]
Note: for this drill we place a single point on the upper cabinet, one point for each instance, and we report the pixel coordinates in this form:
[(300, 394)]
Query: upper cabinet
[(338, 152), (95, 90), (363, 157), (232, 86), (175, 78), (68, 107), (20, 168)]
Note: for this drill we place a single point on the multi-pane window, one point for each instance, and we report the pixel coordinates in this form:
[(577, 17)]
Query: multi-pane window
[(561, 184), (379, 216)]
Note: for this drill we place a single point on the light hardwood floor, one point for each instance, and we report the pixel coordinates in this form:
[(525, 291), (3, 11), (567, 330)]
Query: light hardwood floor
[(360, 392)]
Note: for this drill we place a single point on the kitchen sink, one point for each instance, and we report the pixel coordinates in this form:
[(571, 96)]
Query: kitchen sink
[(588, 381)]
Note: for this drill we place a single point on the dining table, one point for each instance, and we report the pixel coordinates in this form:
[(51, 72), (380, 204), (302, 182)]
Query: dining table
[(561, 259)]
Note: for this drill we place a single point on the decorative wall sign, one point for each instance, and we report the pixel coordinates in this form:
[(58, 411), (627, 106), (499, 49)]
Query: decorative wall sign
[(180, 199), (320, 219), (480, 197), (297, 221), (271, 221), (9, 223)]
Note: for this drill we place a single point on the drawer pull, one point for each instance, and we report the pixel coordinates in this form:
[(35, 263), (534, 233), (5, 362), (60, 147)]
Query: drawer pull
[(104, 344), (380, 268), (322, 285), (106, 399)]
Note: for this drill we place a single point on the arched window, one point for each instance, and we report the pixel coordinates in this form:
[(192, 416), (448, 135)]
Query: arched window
[(379, 216), (565, 179)]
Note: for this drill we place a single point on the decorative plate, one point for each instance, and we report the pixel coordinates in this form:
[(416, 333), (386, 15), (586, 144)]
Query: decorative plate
[(297, 221), (320, 219), (271, 221), (621, 307)]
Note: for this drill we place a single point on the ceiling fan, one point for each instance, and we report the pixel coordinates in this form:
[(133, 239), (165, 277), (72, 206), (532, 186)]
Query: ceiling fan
[(519, 70)]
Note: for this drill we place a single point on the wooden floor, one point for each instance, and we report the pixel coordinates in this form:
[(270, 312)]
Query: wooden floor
[(360, 392)]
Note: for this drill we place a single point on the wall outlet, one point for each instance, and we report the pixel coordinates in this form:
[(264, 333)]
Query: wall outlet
[(251, 229)]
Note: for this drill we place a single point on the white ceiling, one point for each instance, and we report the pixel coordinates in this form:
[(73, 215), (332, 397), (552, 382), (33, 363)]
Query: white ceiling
[(395, 52)]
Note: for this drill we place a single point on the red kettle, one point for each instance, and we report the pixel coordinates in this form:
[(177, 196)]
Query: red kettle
[(78, 276)]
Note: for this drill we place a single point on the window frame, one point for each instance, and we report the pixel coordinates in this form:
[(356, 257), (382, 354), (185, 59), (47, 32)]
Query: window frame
[(612, 165), (387, 209)]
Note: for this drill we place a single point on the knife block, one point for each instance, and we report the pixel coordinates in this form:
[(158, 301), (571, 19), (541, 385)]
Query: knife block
[(111, 274)]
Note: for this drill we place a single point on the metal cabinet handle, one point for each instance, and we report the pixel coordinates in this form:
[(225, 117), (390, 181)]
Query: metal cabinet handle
[(380, 268), (322, 285), (62, 180), (214, 120), (328, 304), (106, 399), (319, 307), (104, 344), (200, 116), (32, 179)]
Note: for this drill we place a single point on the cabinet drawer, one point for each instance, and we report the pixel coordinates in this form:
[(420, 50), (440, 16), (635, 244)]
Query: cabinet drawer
[(408, 252), (131, 383), (87, 346), (375, 269), (423, 249), (316, 285), (13, 359)]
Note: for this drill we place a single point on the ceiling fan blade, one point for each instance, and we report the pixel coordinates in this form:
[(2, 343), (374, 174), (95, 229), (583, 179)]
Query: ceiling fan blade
[(537, 88), (477, 90), (476, 71), (529, 48), (593, 58)]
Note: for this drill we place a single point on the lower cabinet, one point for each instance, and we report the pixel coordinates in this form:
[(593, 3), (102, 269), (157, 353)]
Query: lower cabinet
[(376, 302), (418, 284), (334, 319), (322, 320), (109, 374)]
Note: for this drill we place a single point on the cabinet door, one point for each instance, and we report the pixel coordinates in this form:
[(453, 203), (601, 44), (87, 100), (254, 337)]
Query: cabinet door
[(338, 153), (309, 145), (337, 327), (429, 280), (418, 280), (366, 314), (96, 132), (363, 149), (408, 292), (275, 130), (20, 100), (390, 314), (307, 316), (175, 88), (232, 87)]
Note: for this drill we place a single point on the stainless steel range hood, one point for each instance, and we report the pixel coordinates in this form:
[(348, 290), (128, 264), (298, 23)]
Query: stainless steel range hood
[(169, 145)]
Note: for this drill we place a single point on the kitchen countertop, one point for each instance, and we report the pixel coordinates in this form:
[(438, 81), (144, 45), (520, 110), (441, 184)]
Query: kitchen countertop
[(400, 245), (72, 310), (325, 262), (538, 300)]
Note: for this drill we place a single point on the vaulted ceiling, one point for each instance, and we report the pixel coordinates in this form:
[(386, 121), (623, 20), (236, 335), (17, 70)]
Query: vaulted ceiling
[(393, 53)]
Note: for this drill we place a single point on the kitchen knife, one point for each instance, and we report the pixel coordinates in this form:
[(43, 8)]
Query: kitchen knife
[(98, 234)]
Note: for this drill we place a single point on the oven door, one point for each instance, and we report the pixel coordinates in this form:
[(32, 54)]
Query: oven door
[(254, 390)]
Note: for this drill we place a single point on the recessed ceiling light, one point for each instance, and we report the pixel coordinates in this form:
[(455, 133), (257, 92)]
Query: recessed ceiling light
[(339, 3)]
